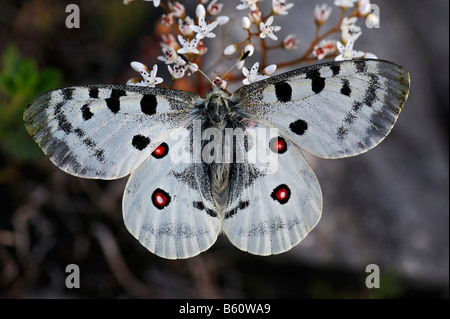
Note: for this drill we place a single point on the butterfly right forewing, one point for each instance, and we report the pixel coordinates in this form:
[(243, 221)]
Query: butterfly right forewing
[(331, 110)]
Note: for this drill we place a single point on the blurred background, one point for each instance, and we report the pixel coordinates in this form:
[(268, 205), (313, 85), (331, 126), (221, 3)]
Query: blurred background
[(389, 206)]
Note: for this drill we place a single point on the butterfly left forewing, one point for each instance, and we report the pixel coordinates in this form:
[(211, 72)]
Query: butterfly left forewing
[(332, 110), (104, 131)]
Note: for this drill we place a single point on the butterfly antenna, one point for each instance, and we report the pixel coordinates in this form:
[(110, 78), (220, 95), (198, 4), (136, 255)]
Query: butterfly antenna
[(239, 61), (190, 63)]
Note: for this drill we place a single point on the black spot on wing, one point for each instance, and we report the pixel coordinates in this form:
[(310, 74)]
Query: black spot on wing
[(100, 154), (232, 212), (283, 91), (79, 132), (361, 66), (89, 142), (201, 206), (148, 104), (160, 198), (299, 127), (113, 102), (86, 112), (346, 90), (350, 118), (370, 95), (356, 106), (281, 194), (317, 82), (63, 124), (67, 93), (93, 92), (140, 142), (341, 133), (336, 69)]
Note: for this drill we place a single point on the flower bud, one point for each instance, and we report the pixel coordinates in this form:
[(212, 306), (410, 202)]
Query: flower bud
[(249, 47), (246, 23), (268, 70), (221, 20), (230, 49)]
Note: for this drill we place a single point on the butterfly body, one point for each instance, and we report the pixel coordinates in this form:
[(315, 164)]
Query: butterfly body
[(228, 164)]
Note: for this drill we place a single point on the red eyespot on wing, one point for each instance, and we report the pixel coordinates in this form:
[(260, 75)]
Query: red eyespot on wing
[(160, 198), (161, 151), (281, 194), (278, 145)]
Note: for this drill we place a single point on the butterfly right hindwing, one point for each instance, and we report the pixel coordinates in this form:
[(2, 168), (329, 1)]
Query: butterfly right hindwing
[(277, 199)]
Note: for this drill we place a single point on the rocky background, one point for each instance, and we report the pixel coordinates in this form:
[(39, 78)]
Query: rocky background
[(389, 206)]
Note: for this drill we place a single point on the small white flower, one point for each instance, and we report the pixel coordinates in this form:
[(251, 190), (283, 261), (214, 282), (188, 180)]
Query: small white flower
[(364, 7), (344, 3), (214, 8), (290, 42), (280, 6), (322, 13), (149, 79), (268, 70), (347, 52), (247, 4), (188, 46), (201, 47), (267, 30), (177, 71), (169, 41), (185, 26), (169, 55), (177, 9), (255, 15), (203, 29), (167, 19), (324, 48), (155, 2), (252, 75), (230, 49), (349, 29)]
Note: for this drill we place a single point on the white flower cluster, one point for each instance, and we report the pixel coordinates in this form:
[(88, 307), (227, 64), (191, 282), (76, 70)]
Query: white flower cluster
[(349, 31), (183, 46), (191, 35)]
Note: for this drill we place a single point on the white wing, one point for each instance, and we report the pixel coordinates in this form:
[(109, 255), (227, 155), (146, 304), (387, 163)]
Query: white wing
[(104, 131), (332, 110), (272, 206), (167, 204)]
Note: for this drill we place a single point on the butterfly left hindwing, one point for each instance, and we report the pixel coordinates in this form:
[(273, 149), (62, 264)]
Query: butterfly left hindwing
[(167, 204)]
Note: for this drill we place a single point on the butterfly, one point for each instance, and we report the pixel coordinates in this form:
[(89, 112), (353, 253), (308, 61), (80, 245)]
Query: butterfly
[(191, 180)]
